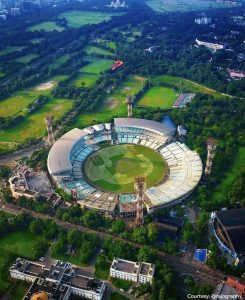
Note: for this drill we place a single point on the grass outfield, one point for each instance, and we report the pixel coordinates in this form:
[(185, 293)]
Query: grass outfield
[(78, 18), (10, 49), (159, 96), (114, 168), (46, 26), (181, 83), (21, 243), (88, 79), (97, 66), (239, 162), (114, 105), (26, 58), (96, 50), (184, 5)]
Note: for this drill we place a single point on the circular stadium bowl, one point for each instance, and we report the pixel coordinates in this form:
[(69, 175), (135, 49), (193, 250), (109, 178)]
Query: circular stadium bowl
[(97, 165)]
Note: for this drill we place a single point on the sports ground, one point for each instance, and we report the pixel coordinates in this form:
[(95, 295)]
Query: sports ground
[(114, 168)]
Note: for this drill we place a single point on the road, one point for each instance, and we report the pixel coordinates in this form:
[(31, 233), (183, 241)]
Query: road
[(10, 158), (200, 272)]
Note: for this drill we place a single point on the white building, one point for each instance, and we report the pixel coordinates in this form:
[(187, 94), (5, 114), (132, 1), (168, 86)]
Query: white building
[(181, 130), (211, 46), (132, 271), (58, 281), (203, 21)]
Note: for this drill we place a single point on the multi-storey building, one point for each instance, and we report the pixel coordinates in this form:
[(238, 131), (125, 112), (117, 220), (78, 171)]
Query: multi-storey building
[(59, 280), (132, 271)]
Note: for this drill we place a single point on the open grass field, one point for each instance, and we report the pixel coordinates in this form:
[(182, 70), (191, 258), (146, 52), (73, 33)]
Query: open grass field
[(158, 96), (78, 18), (45, 26), (36, 41), (183, 5), (33, 125), (111, 45), (21, 243), (17, 103), (96, 50), (239, 162), (59, 61), (1, 74), (185, 84), (114, 105), (114, 168), (10, 49), (26, 58), (122, 284), (88, 80), (97, 66)]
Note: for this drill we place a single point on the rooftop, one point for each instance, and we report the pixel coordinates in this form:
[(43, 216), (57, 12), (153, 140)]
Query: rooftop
[(233, 222)]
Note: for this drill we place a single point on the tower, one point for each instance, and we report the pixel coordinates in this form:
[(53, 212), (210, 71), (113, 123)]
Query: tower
[(48, 121), (211, 146), (130, 101), (74, 194), (140, 187)]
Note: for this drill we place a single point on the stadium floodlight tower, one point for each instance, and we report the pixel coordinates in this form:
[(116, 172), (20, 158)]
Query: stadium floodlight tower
[(211, 146), (74, 194), (130, 101), (140, 187), (48, 121)]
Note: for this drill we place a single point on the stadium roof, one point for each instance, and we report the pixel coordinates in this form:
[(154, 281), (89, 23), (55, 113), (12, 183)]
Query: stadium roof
[(157, 127), (233, 222), (58, 158)]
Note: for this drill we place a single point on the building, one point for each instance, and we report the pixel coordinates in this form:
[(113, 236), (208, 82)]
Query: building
[(183, 99), (60, 280), (231, 289), (181, 130), (33, 185), (132, 271), (236, 74), (69, 153), (211, 46), (229, 230), (203, 21), (168, 228)]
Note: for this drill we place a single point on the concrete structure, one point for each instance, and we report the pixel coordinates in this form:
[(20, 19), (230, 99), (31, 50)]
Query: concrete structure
[(181, 130), (183, 99), (132, 271), (130, 101), (211, 46), (211, 146), (69, 153), (33, 185), (229, 230), (48, 122), (58, 281), (203, 21), (140, 187)]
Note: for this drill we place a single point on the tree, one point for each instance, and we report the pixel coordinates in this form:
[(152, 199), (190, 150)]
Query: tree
[(152, 232), (118, 226), (140, 235), (35, 227), (4, 172), (74, 238), (147, 254)]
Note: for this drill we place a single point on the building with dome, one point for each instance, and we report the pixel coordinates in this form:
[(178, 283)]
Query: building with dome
[(60, 280)]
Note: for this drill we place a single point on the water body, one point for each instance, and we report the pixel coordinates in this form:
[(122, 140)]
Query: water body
[(167, 120)]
